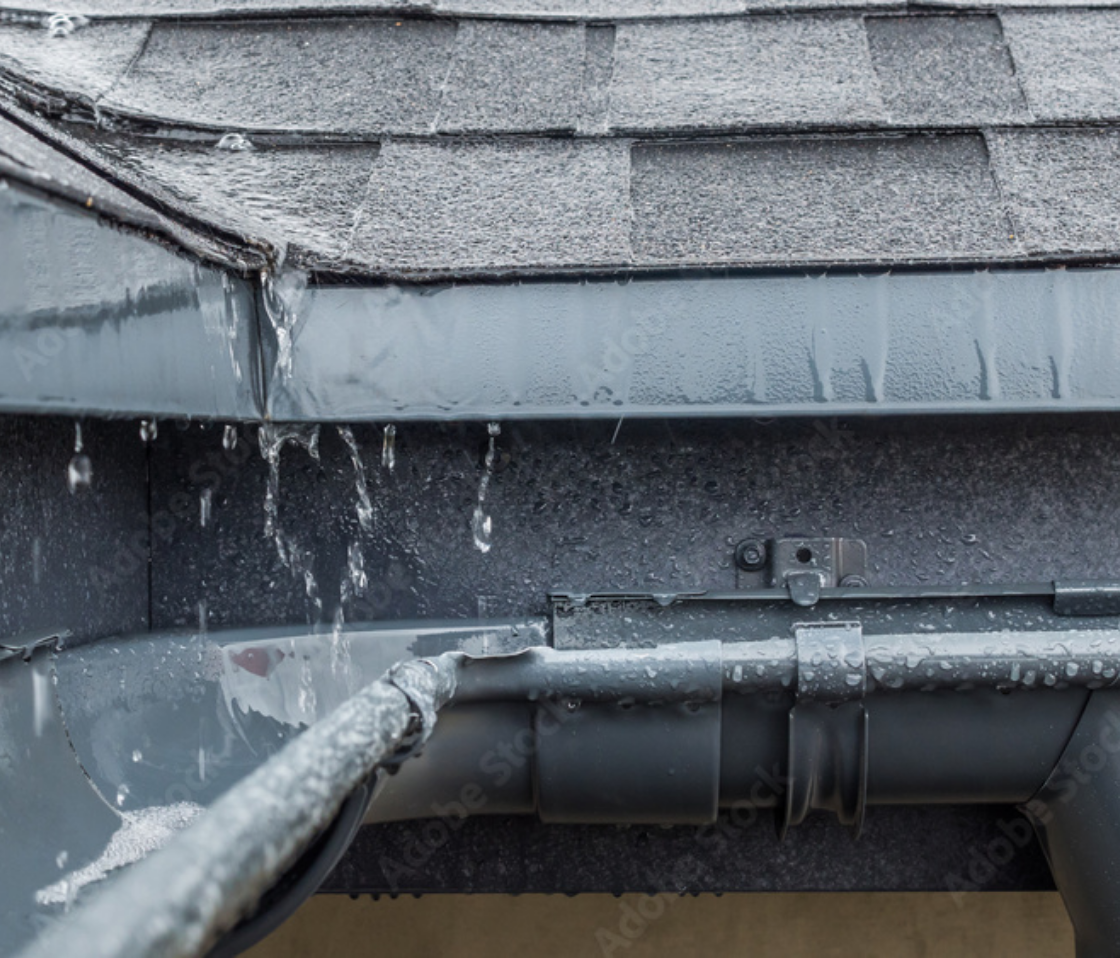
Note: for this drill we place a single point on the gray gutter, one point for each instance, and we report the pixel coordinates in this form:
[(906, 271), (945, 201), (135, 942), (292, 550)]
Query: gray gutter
[(665, 733), (98, 321)]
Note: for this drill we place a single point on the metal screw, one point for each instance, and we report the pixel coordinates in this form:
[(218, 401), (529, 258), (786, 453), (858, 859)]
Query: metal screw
[(750, 555)]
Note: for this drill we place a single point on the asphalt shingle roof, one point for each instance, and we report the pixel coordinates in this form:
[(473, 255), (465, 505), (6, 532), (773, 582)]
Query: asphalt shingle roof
[(511, 138)]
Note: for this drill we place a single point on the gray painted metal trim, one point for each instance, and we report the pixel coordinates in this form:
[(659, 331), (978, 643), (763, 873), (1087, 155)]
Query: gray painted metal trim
[(94, 320), (969, 341)]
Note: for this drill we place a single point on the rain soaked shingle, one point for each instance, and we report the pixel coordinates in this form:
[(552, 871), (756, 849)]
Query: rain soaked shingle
[(759, 71), (494, 205), (352, 76), (802, 200), (86, 62), (1061, 186), (945, 70), (423, 146), (305, 198), (513, 76), (1069, 62)]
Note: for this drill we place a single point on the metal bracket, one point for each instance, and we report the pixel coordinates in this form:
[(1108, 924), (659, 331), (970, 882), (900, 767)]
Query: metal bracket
[(802, 565), (1087, 598), (831, 663)]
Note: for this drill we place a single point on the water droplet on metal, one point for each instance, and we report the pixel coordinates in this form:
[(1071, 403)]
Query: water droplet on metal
[(234, 142), (149, 430), (63, 24)]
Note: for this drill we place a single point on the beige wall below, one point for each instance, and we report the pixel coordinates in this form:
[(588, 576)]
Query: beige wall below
[(882, 925)]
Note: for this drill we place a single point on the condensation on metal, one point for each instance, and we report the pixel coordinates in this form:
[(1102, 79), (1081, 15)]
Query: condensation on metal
[(986, 341)]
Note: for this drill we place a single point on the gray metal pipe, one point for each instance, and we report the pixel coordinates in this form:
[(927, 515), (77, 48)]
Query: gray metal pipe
[(1076, 814), (672, 711), (1074, 658), (177, 902)]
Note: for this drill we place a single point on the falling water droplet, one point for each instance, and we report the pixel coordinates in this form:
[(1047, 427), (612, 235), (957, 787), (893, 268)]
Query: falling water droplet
[(229, 437), (77, 437), (272, 438), (389, 448), (481, 524), (79, 473), (356, 569), (364, 505), (149, 430), (205, 505), (234, 143), (137, 755), (36, 560), (307, 697), (61, 859), (122, 794)]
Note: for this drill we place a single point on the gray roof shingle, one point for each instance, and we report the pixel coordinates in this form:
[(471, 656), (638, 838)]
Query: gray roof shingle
[(85, 64), (304, 197), (1061, 187), (480, 204), (368, 76), (425, 146), (791, 200), (513, 76), (938, 70), (1069, 62), (755, 72)]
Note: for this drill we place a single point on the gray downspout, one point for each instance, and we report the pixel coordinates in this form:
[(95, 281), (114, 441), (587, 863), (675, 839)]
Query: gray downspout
[(180, 900), (1076, 814)]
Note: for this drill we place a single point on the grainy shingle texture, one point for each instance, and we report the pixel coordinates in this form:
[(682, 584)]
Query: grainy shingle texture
[(352, 76), (786, 200), (1069, 62), (754, 72), (513, 76), (478, 204), (945, 70), (519, 137), (1062, 187)]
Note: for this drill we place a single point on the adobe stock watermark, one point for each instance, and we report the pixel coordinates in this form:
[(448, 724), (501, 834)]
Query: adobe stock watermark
[(496, 768), (634, 920), (606, 379), (48, 346), (1074, 772)]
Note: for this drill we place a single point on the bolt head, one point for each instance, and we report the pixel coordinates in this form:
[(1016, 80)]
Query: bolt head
[(751, 555)]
